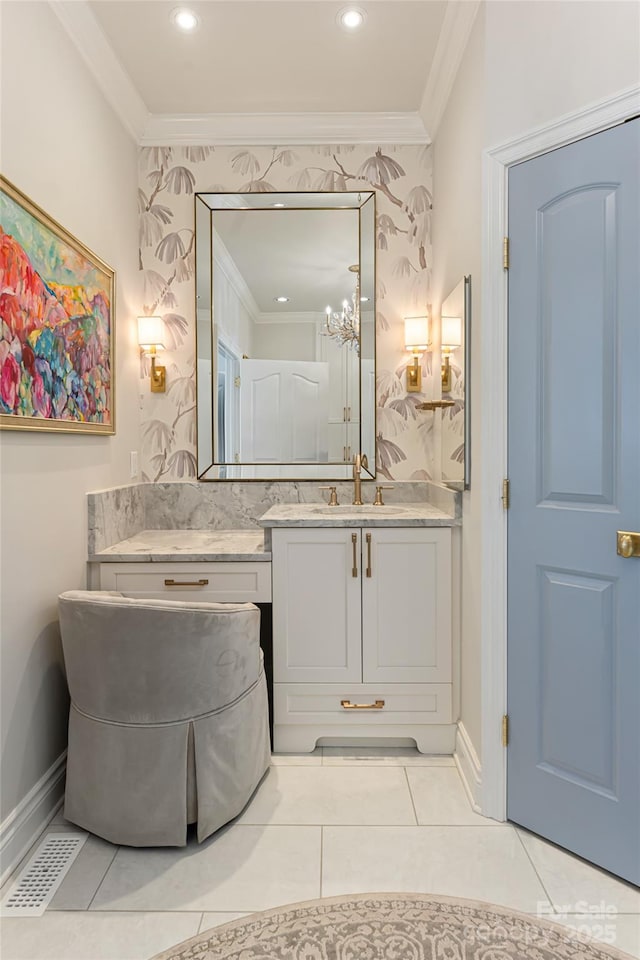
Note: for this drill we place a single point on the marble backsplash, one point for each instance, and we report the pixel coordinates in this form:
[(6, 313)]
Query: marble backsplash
[(115, 514), (121, 512)]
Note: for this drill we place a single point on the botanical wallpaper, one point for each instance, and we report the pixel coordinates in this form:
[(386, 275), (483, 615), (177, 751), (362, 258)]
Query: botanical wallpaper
[(402, 177)]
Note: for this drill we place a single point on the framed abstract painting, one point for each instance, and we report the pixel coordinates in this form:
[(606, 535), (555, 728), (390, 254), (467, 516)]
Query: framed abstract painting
[(57, 325)]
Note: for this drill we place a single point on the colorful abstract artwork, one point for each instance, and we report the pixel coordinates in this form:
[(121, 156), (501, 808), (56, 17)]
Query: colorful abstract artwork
[(56, 314)]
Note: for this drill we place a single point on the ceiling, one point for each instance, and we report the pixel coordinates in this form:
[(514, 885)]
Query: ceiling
[(273, 70), (302, 254), (278, 57)]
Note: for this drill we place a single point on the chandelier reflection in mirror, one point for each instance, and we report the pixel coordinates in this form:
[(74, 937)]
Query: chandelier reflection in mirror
[(344, 327)]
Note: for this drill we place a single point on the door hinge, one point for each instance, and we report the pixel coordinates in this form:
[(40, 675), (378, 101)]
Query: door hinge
[(505, 731), (505, 253), (236, 381), (506, 493)]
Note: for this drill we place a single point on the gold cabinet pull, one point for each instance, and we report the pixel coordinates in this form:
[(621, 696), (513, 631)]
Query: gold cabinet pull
[(368, 554), (628, 544), (347, 705), (186, 583), (354, 568)]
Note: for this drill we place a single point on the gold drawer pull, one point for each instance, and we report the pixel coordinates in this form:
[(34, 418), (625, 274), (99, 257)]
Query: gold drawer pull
[(186, 583), (368, 554), (347, 705), (354, 568)]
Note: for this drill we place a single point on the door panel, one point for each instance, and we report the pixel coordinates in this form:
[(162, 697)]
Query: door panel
[(316, 605), (579, 744), (574, 466), (406, 605), (283, 411), (577, 294)]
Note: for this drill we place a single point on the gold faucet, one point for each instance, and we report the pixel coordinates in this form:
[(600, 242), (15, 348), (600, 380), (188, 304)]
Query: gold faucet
[(359, 461)]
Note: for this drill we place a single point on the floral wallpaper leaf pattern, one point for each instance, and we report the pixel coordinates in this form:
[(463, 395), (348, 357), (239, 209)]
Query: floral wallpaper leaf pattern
[(400, 175)]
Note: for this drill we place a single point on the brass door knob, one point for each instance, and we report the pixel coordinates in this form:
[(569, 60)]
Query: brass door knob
[(628, 544)]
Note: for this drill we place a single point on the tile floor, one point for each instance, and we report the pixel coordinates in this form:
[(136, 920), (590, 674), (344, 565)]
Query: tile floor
[(338, 821)]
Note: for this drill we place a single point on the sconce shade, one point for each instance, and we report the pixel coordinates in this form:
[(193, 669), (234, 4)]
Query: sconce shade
[(151, 332), (416, 333), (451, 332)]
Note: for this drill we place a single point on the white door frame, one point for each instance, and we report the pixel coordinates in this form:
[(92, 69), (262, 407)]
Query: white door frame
[(493, 379)]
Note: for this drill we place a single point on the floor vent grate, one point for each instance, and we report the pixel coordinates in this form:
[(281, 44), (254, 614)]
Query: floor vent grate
[(33, 889)]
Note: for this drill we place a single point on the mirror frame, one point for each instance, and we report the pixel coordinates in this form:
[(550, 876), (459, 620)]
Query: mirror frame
[(230, 200), (465, 482)]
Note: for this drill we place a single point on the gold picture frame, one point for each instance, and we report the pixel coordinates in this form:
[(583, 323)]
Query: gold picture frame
[(57, 325)]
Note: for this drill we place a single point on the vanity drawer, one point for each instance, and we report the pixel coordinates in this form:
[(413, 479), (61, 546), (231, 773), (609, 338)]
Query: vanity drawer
[(404, 703), (213, 582)]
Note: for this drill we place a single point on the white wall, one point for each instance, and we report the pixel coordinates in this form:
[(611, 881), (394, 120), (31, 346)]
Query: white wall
[(544, 60), (457, 188), (526, 64), (64, 148), (285, 341)]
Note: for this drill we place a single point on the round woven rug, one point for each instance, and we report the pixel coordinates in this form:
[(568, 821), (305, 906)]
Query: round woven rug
[(378, 926)]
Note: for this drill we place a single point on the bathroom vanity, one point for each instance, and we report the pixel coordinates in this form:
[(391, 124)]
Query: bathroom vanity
[(361, 597), (362, 606)]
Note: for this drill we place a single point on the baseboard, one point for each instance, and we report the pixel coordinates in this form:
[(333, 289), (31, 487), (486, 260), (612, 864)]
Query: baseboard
[(468, 764), (22, 827)]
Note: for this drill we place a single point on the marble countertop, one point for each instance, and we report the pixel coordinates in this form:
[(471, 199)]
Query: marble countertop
[(159, 546), (391, 515)]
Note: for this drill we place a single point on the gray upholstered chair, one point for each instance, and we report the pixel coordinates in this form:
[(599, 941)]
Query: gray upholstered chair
[(169, 720)]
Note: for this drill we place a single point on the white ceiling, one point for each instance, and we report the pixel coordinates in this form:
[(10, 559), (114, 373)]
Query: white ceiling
[(278, 57), (273, 70), (302, 254)]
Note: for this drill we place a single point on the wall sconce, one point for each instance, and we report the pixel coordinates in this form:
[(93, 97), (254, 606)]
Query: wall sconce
[(416, 339), (451, 339), (150, 338)]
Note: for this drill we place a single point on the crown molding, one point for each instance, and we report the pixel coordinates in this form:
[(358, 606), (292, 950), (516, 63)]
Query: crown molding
[(298, 316), (233, 129), (237, 129), (78, 20), (454, 36)]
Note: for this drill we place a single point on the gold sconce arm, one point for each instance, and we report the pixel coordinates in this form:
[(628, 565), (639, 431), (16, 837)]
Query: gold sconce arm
[(158, 375)]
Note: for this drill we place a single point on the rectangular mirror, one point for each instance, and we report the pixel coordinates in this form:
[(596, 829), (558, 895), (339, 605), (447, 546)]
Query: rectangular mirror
[(455, 325), (285, 305)]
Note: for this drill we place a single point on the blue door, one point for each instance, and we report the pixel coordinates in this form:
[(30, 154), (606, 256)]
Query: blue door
[(573, 763)]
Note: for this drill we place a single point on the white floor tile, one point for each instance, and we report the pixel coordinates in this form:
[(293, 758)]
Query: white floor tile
[(575, 886), (481, 863), (382, 756), (297, 759), (440, 798), (240, 869), (210, 920), (620, 930), (322, 795), (85, 875), (95, 936)]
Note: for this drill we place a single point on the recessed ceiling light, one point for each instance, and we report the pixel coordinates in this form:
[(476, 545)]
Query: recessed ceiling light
[(277, 204), (282, 299), (351, 18), (184, 19)]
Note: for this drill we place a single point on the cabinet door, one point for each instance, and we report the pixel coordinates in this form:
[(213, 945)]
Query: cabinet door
[(316, 605), (406, 605)]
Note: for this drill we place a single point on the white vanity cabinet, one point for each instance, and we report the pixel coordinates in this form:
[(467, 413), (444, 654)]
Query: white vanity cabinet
[(362, 633)]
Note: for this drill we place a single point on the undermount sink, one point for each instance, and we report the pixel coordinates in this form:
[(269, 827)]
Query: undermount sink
[(348, 510)]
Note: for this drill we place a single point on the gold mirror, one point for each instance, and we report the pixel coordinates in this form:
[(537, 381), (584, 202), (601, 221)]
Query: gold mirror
[(285, 287)]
